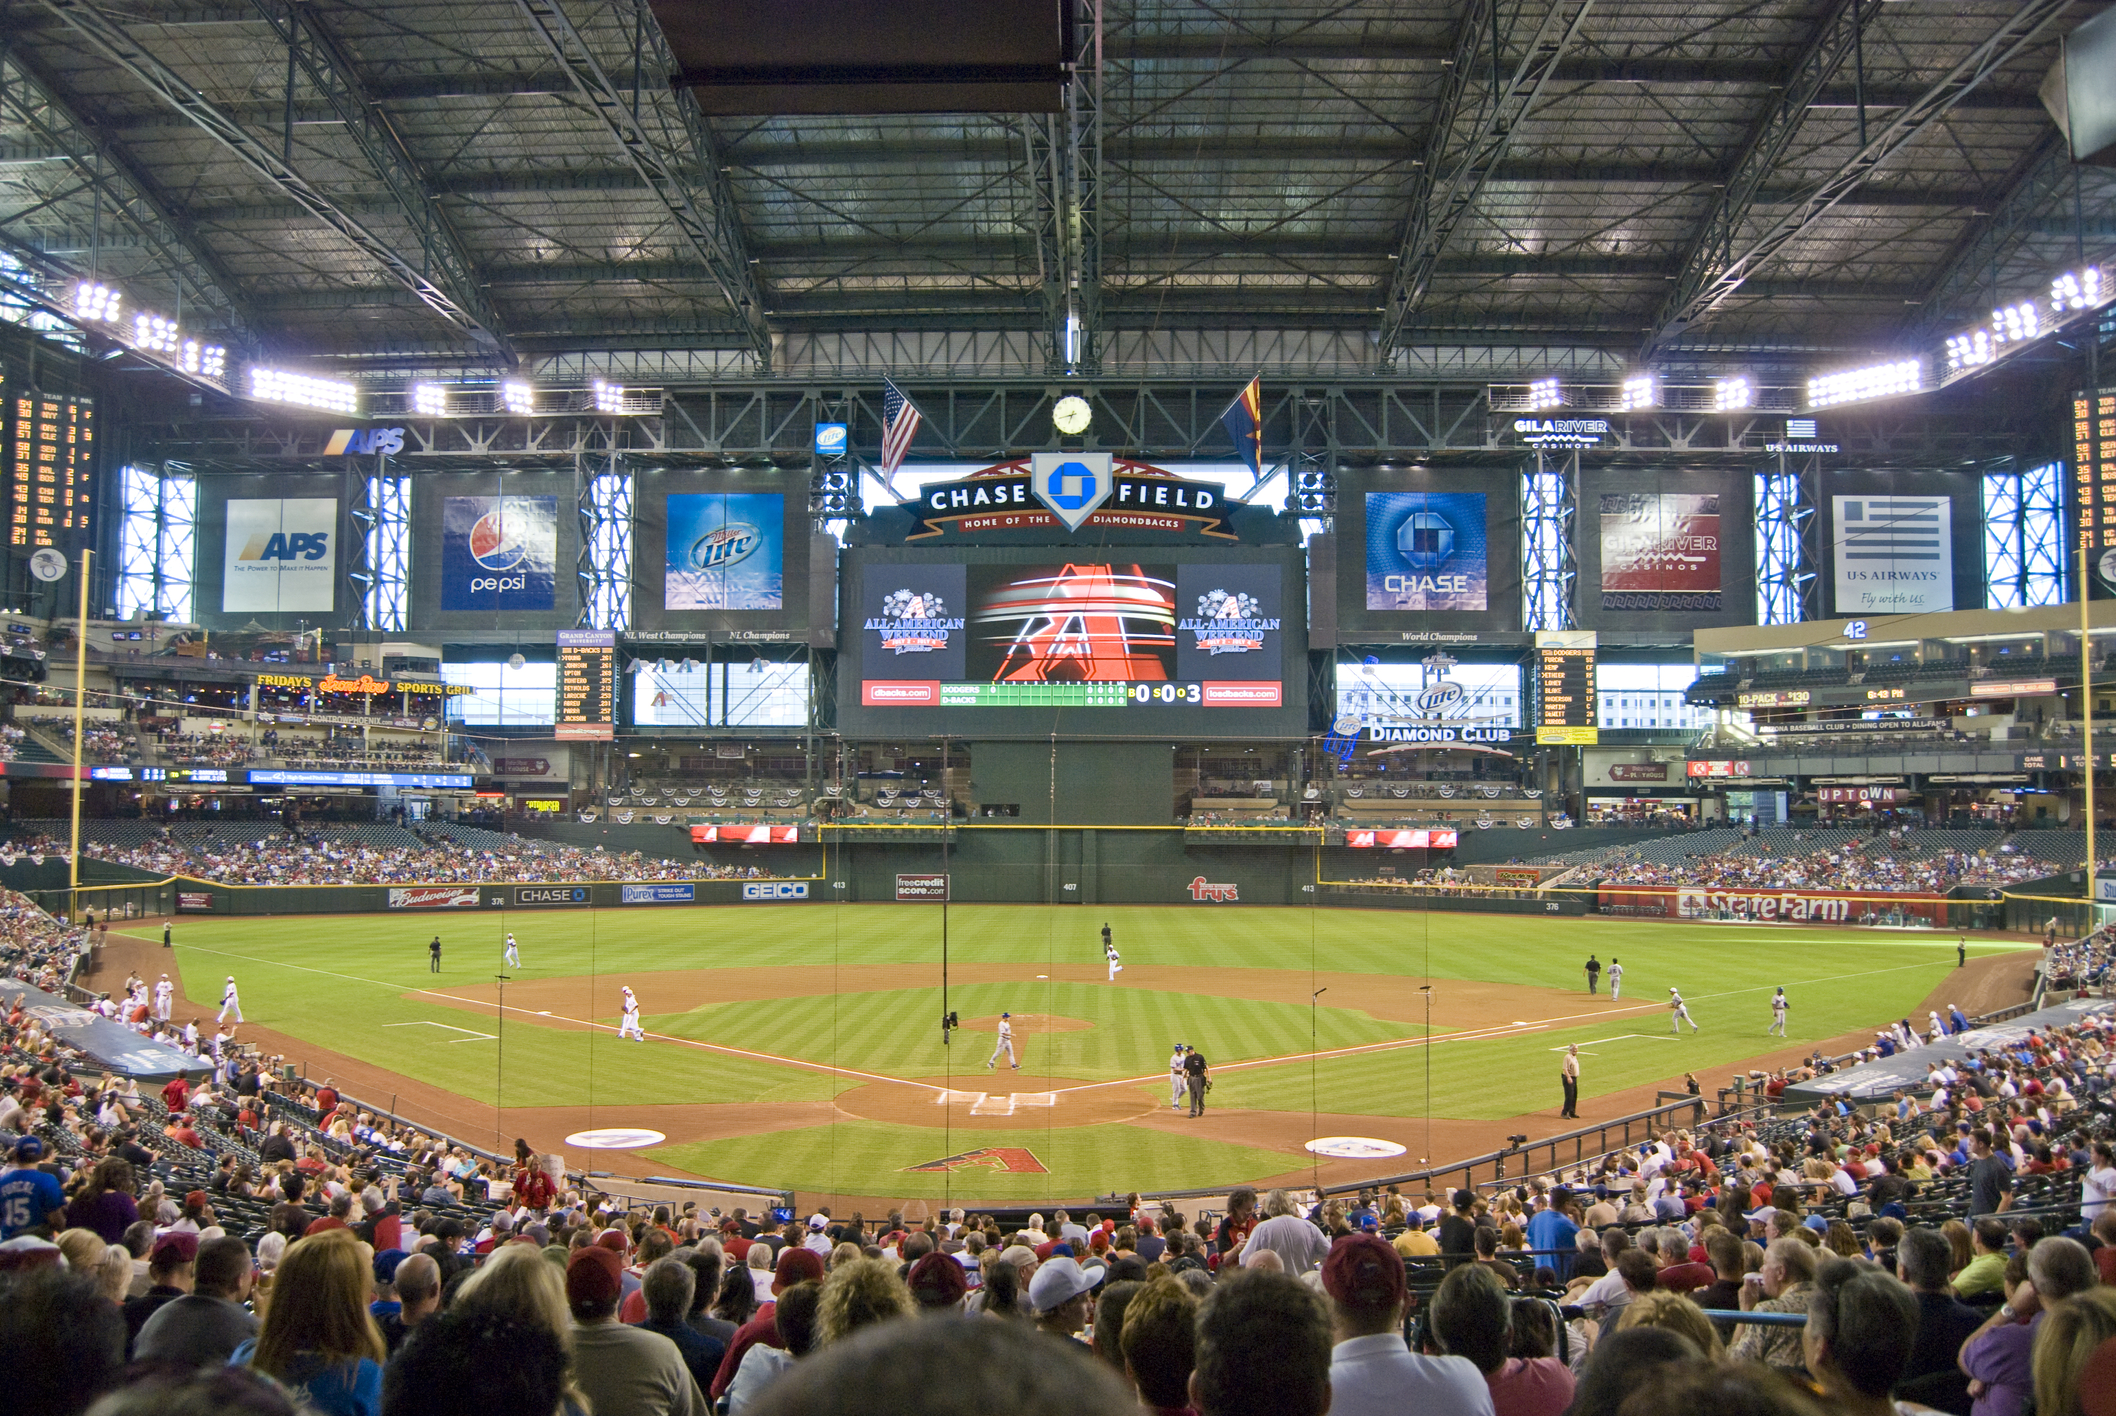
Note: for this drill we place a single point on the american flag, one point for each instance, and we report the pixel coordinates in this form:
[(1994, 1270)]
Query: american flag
[(900, 420)]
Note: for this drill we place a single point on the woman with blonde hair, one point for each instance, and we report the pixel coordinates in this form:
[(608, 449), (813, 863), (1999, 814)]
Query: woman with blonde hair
[(317, 1335), (859, 1294), (2072, 1329), (1956, 1234), (517, 1283), (1843, 1241), (1663, 1308)]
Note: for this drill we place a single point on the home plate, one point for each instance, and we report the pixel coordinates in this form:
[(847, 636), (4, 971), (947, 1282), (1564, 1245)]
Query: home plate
[(1354, 1147), (615, 1138)]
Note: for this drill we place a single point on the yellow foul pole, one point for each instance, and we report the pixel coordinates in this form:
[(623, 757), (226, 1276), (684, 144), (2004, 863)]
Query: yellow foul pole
[(80, 700)]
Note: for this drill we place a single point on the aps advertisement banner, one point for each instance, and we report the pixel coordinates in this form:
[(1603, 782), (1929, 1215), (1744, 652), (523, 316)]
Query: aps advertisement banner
[(282, 556)]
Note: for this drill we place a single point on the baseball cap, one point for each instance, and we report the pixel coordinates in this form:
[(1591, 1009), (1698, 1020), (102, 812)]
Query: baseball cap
[(796, 1266), (1018, 1255), (938, 1279), (1817, 1223), (1059, 1281), (593, 1275), (385, 1265), (26, 1251), (173, 1249), (29, 1148), (816, 1223), (1363, 1272), (1763, 1214)]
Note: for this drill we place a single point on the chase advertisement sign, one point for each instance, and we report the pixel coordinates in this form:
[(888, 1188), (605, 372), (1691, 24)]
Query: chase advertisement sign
[(1074, 491)]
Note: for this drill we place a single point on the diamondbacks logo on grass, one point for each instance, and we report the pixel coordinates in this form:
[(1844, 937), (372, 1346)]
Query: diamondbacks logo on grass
[(1007, 1160)]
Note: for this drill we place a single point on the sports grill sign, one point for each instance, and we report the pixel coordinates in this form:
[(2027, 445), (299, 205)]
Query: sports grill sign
[(551, 894), (433, 897), (921, 887), (1070, 491)]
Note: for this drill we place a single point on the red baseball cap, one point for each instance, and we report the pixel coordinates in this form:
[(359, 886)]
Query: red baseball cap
[(1362, 1271)]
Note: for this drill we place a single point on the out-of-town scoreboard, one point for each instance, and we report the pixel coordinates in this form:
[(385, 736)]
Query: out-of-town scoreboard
[(2094, 472), (51, 464), (1565, 707), (587, 684)]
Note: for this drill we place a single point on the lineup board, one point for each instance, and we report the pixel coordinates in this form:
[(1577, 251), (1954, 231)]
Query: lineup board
[(1565, 705), (51, 464), (2095, 478), (587, 684)]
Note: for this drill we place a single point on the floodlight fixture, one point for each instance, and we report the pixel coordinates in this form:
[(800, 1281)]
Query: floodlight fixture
[(518, 396), (93, 300), (609, 397), (1732, 394), (1640, 391), (1543, 394), (303, 390), (1898, 376), (429, 400)]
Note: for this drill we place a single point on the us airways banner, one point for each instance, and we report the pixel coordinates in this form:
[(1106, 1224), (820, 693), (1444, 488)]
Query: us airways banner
[(282, 556), (1764, 904), (1069, 491)]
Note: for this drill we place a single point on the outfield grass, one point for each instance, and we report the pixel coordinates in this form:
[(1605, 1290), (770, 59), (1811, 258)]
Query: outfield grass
[(348, 985)]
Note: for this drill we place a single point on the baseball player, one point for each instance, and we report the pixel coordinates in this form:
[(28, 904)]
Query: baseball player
[(1679, 1013), (1177, 1084), (1116, 965), (191, 1035), (230, 1003), (164, 993), (629, 1025), (1616, 978), (514, 955), (1005, 1043), (1778, 1007)]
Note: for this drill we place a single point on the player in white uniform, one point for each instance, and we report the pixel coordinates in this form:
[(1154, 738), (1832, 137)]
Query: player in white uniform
[(1116, 966), (1778, 1007), (1679, 1013), (514, 955), (1616, 979), (230, 1003), (1178, 1084), (1005, 1043), (629, 1027), (163, 993)]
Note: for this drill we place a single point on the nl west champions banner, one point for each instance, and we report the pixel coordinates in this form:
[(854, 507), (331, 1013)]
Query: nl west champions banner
[(498, 553), (1895, 555), (726, 551), (1426, 551), (1660, 551), (282, 556)]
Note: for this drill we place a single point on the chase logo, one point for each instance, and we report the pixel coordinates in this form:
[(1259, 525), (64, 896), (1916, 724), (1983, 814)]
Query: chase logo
[(719, 549), (357, 441), (1425, 539), (287, 546), (775, 890), (1071, 484)]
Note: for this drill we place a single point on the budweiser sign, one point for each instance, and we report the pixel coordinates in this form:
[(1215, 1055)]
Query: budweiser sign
[(1203, 890), (433, 897)]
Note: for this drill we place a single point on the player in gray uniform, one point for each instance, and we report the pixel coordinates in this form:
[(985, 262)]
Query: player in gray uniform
[(1616, 979), (1778, 1007), (1005, 1043), (1679, 1013), (1178, 1083)]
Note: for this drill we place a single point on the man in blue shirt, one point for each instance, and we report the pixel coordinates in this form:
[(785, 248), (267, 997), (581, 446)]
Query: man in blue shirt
[(1552, 1232), (29, 1198)]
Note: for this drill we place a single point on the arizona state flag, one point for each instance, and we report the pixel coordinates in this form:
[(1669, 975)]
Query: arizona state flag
[(1244, 421)]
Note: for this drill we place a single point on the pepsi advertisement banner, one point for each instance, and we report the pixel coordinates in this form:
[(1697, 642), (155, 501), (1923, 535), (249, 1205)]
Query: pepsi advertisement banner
[(498, 553), (1427, 551), (725, 551)]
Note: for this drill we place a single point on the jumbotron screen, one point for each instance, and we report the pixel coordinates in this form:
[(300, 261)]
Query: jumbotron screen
[(1134, 638)]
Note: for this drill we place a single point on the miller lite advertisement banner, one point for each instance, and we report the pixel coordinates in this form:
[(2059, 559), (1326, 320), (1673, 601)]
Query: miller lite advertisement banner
[(498, 553), (1065, 493), (281, 556), (725, 551)]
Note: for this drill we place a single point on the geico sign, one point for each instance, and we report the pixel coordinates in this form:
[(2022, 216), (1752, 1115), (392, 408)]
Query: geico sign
[(775, 890)]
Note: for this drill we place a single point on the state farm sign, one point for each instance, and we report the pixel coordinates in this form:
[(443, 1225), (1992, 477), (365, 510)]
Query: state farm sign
[(1209, 893)]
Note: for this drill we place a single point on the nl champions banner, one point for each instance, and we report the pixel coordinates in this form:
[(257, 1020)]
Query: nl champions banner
[(1660, 551), (1895, 555), (1426, 551), (282, 556), (726, 551), (498, 553)]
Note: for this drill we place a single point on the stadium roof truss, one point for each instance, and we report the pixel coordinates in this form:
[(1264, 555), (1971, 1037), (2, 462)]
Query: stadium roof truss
[(1464, 189)]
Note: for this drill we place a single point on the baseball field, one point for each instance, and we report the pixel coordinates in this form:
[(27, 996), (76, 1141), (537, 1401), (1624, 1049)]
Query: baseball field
[(801, 1046)]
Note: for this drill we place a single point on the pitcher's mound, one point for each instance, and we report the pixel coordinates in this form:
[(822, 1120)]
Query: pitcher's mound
[(1029, 1024)]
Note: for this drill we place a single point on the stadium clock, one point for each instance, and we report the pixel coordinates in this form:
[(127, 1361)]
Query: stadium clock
[(1071, 415)]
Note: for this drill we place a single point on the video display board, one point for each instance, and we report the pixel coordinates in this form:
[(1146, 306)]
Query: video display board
[(1566, 687), (486, 551), (1421, 552), (721, 553), (1902, 543), (1666, 549), (1097, 640), (51, 468)]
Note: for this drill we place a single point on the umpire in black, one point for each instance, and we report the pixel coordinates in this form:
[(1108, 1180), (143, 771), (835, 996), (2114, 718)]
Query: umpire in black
[(1195, 1077)]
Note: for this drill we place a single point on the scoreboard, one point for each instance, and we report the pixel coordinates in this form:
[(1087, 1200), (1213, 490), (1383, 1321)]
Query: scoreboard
[(51, 464), (587, 684), (1565, 706), (2095, 476)]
